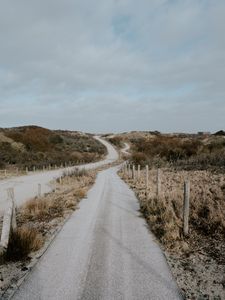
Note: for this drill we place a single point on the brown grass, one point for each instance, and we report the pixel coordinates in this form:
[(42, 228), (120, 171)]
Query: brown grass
[(39, 217), (183, 152), (23, 241), (164, 214), (30, 146)]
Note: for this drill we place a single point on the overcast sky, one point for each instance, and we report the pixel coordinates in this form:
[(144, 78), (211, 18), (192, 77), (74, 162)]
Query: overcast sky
[(113, 65)]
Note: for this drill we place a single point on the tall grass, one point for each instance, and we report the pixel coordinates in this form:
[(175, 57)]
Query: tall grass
[(23, 241), (165, 213)]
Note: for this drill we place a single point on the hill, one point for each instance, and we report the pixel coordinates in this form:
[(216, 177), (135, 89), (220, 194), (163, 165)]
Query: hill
[(32, 145)]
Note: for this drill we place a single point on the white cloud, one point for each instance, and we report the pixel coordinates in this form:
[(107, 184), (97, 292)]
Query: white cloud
[(123, 64)]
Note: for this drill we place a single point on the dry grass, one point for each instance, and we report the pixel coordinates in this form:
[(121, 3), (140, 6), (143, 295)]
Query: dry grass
[(23, 241), (38, 218), (30, 146), (190, 152), (198, 260), (164, 214)]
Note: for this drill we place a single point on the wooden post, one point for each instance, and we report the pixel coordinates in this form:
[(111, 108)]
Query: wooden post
[(158, 188), (186, 207), (60, 179), (27, 170), (138, 172), (133, 172), (128, 170), (34, 169), (5, 173), (39, 190), (146, 178), (6, 227), (124, 170), (11, 198), (43, 168)]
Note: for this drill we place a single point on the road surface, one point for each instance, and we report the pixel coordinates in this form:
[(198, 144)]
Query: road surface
[(26, 187), (104, 251), (125, 149)]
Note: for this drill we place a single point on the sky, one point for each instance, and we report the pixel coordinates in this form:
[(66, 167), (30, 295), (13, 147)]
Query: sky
[(113, 65)]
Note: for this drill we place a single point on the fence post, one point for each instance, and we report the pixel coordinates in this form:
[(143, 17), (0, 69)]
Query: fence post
[(128, 170), (158, 188), (39, 190), (186, 207), (6, 228), (34, 169), (146, 179), (124, 170), (11, 196), (5, 173), (27, 170), (133, 172), (138, 172)]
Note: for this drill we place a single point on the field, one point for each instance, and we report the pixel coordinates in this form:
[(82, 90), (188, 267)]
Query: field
[(30, 146), (197, 260)]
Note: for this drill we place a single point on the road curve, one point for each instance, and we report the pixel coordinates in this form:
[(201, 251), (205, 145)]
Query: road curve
[(104, 251), (125, 149), (26, 187)]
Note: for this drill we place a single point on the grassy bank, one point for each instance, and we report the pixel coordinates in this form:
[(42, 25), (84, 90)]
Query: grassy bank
[(37, 222), (35, 146), (198, 259)]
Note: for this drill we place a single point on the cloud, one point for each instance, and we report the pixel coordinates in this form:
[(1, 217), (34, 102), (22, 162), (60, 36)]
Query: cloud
[(113, 65)]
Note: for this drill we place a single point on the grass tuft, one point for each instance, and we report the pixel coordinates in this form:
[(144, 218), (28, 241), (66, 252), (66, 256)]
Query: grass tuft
[(23, 241)]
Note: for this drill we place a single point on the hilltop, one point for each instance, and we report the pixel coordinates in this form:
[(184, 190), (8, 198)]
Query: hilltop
[(34, 145)]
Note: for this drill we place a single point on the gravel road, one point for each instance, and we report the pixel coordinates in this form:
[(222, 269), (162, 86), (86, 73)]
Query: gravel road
[(104, 251), (26, 187)]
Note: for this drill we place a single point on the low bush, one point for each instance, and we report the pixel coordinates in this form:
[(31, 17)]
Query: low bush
[(186, 153)]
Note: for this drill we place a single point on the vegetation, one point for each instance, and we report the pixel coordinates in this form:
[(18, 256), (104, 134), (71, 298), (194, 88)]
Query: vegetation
[(191, 153), (23, 241), (197, 259), (116, 141), (32, 145), (39, 217)]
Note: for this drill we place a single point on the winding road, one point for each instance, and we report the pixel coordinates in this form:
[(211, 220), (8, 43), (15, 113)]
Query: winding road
[(26, 187), (104, 251)]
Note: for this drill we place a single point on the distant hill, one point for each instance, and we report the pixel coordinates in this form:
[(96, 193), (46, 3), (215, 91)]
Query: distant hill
[(220, 132), (34, 145)]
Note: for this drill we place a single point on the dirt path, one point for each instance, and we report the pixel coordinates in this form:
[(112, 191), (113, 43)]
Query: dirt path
[(26, 187)]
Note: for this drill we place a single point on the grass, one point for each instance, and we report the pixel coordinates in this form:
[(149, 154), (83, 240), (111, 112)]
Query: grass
[(76, 172), (23, 241), (164, 214), (190, 152), (30, 146), (39, 217)]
